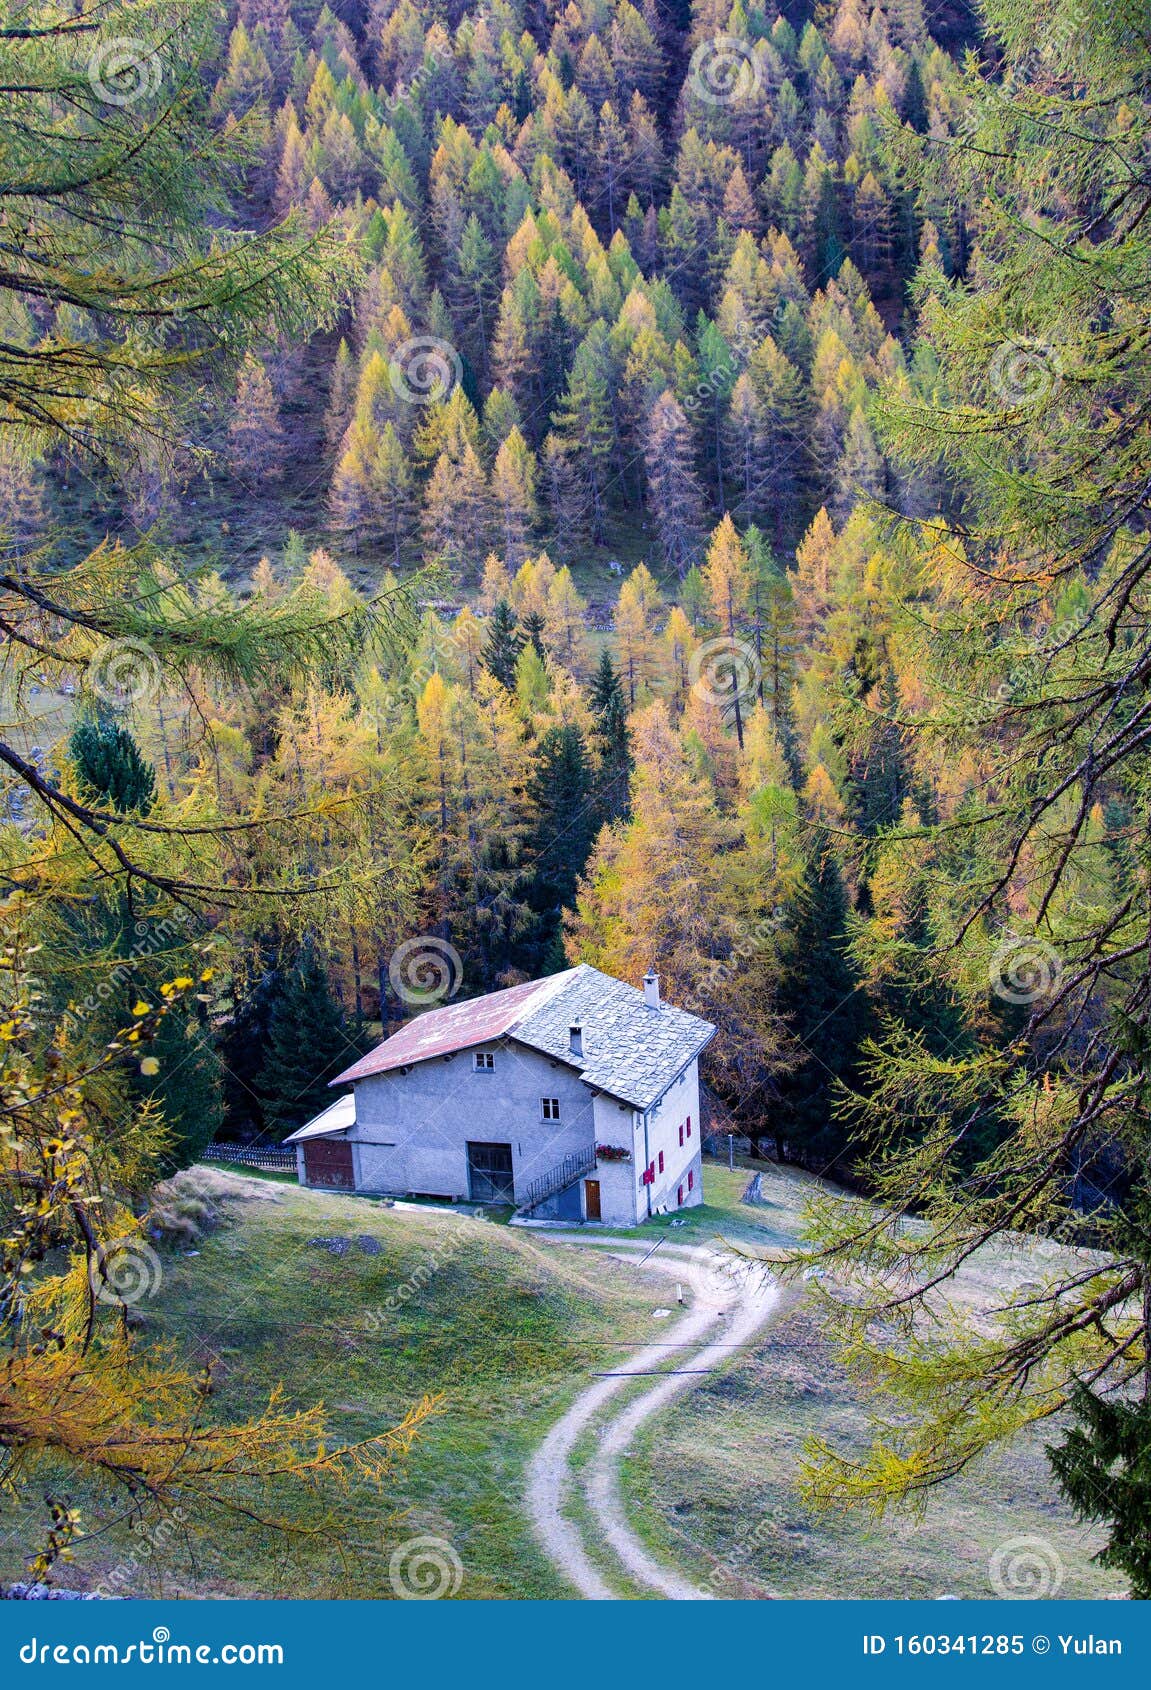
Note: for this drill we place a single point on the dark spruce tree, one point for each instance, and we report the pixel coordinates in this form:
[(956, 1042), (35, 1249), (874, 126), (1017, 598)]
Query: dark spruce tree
[(109, 764), (533, 627), (187, 1086), (503, 645), (309, 1042), (563, 791), (613, 742), (244, 1047), (821, 1003), (1103, 1467), (914, 104), (605, 684)]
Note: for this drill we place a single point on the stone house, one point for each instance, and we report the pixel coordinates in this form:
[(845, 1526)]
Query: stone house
[(570, 1098)]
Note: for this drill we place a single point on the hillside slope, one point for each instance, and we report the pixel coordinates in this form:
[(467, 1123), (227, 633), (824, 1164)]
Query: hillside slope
[(509, 1326)]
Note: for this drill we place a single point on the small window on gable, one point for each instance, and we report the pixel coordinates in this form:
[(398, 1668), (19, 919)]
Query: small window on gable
[(484, 1061), (681, 1132), (550, 1108), (661, 1161)]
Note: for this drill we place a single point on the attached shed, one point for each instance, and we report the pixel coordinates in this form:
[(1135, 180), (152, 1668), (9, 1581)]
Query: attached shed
[(324, 1150)]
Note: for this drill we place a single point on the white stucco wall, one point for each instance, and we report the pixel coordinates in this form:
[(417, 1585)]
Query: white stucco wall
[(615, 1124), (678, 1106), (624, 1196)]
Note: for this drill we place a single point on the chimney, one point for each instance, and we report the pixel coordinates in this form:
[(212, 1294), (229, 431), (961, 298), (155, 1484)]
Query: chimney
[(651, 990), (575, 1040)]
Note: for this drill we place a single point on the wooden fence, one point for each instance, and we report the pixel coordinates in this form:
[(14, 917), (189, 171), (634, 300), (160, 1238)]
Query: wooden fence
[(277, 1156)]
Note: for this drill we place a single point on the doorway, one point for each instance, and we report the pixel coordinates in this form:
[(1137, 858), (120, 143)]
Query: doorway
[(490, 1178), (328, 1162), (591, 1199)]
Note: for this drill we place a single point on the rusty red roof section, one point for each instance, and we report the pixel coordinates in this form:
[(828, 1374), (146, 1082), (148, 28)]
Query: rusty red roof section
[(456, 1026)]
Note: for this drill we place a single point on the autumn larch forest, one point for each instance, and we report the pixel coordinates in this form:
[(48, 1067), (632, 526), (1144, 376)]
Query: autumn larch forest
[(666, 485)]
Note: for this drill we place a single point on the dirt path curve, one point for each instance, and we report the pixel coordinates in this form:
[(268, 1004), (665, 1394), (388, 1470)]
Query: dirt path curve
[(729, 1304)]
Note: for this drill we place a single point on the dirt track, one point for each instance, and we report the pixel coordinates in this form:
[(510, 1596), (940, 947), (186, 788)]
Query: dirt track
[(728, 1304)]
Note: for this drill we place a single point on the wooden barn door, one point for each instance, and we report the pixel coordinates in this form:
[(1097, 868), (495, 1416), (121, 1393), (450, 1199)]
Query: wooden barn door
[(328, 1161), (490, 1177)]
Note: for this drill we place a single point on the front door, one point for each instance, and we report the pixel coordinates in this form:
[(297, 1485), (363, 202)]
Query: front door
[(490, 1173), (591, 1199)]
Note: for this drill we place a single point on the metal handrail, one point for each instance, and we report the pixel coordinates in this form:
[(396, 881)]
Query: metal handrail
[(547, 1185)]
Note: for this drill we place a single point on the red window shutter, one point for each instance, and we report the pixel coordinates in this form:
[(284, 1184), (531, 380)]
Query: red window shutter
[(681, 1133), (691, 1179), (661, 1161), (689, 1126), (651, 1173), (680, 1196)]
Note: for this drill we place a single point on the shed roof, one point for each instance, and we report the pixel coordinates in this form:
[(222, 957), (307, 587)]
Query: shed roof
[(336, 1118), (630, 1049)]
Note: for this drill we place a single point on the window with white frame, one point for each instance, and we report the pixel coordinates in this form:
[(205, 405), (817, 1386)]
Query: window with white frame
[(550, 1108), (484, 1061)]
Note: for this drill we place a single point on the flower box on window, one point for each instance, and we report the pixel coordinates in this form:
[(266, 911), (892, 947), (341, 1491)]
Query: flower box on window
[(612, 1153)]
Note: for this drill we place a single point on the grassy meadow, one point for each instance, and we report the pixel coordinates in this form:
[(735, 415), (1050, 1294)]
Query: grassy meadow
[(506, 1327)]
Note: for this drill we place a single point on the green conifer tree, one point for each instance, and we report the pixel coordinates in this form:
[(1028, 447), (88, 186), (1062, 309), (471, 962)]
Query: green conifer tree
[(108, 762), (821, 1004), (503, 645), (309, 1042)]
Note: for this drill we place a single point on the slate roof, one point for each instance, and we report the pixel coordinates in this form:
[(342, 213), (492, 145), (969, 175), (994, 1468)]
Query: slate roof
[(630, 1050)]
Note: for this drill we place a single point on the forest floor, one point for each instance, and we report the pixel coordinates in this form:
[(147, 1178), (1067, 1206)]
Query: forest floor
[(669, 1486)]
